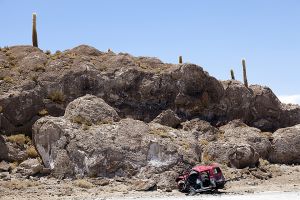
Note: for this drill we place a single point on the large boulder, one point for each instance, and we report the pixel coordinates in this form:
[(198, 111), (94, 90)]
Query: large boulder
[(266, 108), (243, 155), (286, 146), (167, 118), (90, 110), (238, 132), (239, 155), (124, 148)]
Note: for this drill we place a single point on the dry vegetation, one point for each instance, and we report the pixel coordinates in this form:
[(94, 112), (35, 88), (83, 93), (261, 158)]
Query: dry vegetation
[(8, 79), (203, 142), (20, 139), (57, 96), (43, 112), (207, 159), (83, 184), (31, 152), (160, 132), (81, 120), (19, 184)]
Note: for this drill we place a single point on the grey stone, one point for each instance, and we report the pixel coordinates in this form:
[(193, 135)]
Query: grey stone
[(286, 146), (30, 167)]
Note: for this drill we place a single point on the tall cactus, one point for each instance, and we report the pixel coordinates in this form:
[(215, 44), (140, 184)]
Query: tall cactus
[(232, 74), (34, 32), (245, 73), (180, 59)]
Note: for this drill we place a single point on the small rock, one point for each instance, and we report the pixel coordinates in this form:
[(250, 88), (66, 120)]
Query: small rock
[(101, 182), (33, 178), (30, 167), (4, 175), (45, 171), (168, 190), (251, 183), (4, 166), (145, 185)]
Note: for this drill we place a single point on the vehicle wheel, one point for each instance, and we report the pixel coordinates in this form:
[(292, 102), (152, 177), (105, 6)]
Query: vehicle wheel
[(181, 186)]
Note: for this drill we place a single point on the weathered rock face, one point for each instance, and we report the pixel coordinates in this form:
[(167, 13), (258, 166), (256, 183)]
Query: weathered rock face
[(11, 151), (124, 148), (236, 102), (3, 149), (202, 129), (286, 146), (136, 87), (217, 152), (266, 108)]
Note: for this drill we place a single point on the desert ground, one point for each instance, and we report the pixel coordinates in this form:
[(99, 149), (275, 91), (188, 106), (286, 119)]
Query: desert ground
[(284, 185)]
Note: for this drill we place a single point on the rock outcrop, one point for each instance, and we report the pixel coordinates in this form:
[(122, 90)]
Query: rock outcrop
[(13, 151), (286, 146), (123, 148), (3, 149), (136, 87)]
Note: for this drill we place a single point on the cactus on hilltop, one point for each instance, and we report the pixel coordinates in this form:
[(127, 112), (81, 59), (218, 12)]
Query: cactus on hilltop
[(34, 32)]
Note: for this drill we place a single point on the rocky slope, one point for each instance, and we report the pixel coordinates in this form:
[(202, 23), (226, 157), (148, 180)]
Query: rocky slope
[(34, 83), (96, 114)]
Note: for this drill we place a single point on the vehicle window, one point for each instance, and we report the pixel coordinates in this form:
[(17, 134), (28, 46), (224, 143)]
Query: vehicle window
[(217, 170)]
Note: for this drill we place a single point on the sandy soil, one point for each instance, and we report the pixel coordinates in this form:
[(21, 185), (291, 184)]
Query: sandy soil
[(285, 184)]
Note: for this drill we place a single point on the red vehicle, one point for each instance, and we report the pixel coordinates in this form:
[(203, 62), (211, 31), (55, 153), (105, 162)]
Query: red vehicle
[(201, 179)]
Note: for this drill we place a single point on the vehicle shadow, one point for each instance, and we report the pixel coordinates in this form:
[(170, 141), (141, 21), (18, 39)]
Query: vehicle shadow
[(208, 192)]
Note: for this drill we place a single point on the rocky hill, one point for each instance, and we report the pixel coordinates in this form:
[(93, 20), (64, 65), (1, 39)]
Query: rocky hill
[(34, 83), (98, 114)]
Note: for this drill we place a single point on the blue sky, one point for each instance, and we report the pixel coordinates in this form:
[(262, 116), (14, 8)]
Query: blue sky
[(215, 34)]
